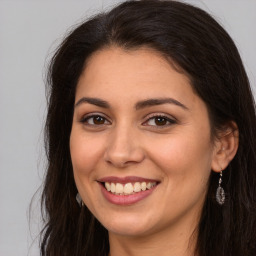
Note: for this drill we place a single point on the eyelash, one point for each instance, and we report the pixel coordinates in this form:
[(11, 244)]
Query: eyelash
[(168, 121), (85, 119)]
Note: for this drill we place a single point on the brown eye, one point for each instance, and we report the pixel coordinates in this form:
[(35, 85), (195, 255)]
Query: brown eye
[(160, 121), (98, 120), (95, 120)]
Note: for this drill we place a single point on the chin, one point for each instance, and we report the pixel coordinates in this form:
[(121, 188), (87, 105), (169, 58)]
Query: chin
[(127, 226)]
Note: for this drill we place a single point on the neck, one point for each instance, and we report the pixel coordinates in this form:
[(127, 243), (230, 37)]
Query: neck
[(176, 241)]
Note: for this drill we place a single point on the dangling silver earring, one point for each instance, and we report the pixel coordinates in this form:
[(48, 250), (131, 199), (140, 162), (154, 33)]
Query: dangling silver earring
[(79, 200), (220, 193)]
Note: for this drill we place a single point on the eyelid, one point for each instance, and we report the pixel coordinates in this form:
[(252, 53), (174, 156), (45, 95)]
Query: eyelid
[(169, 118), (93, 114)]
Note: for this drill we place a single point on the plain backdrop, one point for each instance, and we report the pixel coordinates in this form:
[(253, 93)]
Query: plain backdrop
[(29, 33)]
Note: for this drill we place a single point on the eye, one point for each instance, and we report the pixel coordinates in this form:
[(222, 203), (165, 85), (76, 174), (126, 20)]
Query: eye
[(95, 120), (159, 121)]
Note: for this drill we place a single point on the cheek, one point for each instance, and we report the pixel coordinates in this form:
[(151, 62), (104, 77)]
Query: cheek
[(85, 156), (184, 159), (186, 167), (181, 150), (85, 153)]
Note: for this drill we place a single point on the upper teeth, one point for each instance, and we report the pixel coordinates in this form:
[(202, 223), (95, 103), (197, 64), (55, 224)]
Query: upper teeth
[(128, 188)]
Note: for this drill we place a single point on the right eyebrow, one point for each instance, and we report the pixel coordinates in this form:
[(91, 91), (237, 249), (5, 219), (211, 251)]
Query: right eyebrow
[(93, 101), (159, 101)]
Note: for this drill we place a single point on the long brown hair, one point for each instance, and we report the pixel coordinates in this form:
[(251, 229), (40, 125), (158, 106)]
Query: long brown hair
[(201, 47)]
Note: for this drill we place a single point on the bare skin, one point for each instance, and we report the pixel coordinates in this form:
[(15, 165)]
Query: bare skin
[(135, 115)]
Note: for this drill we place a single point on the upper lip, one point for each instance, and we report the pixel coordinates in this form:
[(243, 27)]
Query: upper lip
[(123, 180)]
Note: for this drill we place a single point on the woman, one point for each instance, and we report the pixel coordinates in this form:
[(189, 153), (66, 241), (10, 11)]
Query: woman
[(150, 138)]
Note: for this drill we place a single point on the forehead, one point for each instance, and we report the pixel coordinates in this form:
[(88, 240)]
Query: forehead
[(132, 74)]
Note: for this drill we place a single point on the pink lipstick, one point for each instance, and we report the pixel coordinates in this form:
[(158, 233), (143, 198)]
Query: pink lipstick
[(126, 190)]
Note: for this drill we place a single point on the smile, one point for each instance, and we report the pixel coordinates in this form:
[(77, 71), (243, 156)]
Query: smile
[(128, 188)]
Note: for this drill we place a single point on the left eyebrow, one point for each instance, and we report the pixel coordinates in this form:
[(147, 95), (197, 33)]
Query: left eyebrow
[(160, 101), (94, 101)]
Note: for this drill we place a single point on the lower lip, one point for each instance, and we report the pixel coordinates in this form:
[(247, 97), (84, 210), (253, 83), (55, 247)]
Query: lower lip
[(126, 199)]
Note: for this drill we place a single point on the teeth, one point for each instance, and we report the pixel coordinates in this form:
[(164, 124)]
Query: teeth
[(113, 187), (107, 186), (143, 186), (128, 188), (149, 185), (119, 188), (137, 187)]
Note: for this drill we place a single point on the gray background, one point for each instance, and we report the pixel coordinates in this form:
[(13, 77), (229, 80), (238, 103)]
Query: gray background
[(29, 32)]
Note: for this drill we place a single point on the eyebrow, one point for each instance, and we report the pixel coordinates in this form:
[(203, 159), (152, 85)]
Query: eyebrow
[(93, 101), (160, 101), (139, 105)]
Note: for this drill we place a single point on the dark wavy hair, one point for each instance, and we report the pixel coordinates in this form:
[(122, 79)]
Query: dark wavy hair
[(193, 40)]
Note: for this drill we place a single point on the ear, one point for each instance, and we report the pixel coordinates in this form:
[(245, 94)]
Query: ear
[(225, 146)]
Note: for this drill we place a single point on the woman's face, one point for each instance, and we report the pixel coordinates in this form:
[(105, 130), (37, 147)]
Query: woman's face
[(140, 143)]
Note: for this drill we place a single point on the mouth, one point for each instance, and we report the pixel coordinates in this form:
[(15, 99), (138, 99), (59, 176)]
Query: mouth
[(128, 190)]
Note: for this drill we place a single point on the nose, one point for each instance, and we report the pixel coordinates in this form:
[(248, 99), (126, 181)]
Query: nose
[(124, 148)]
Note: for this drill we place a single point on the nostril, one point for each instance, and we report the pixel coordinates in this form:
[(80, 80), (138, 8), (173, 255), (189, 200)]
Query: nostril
[(124, 154)]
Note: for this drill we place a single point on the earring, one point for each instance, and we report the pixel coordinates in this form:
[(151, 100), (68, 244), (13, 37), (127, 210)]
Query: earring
[(220, 193), (79, 200)]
